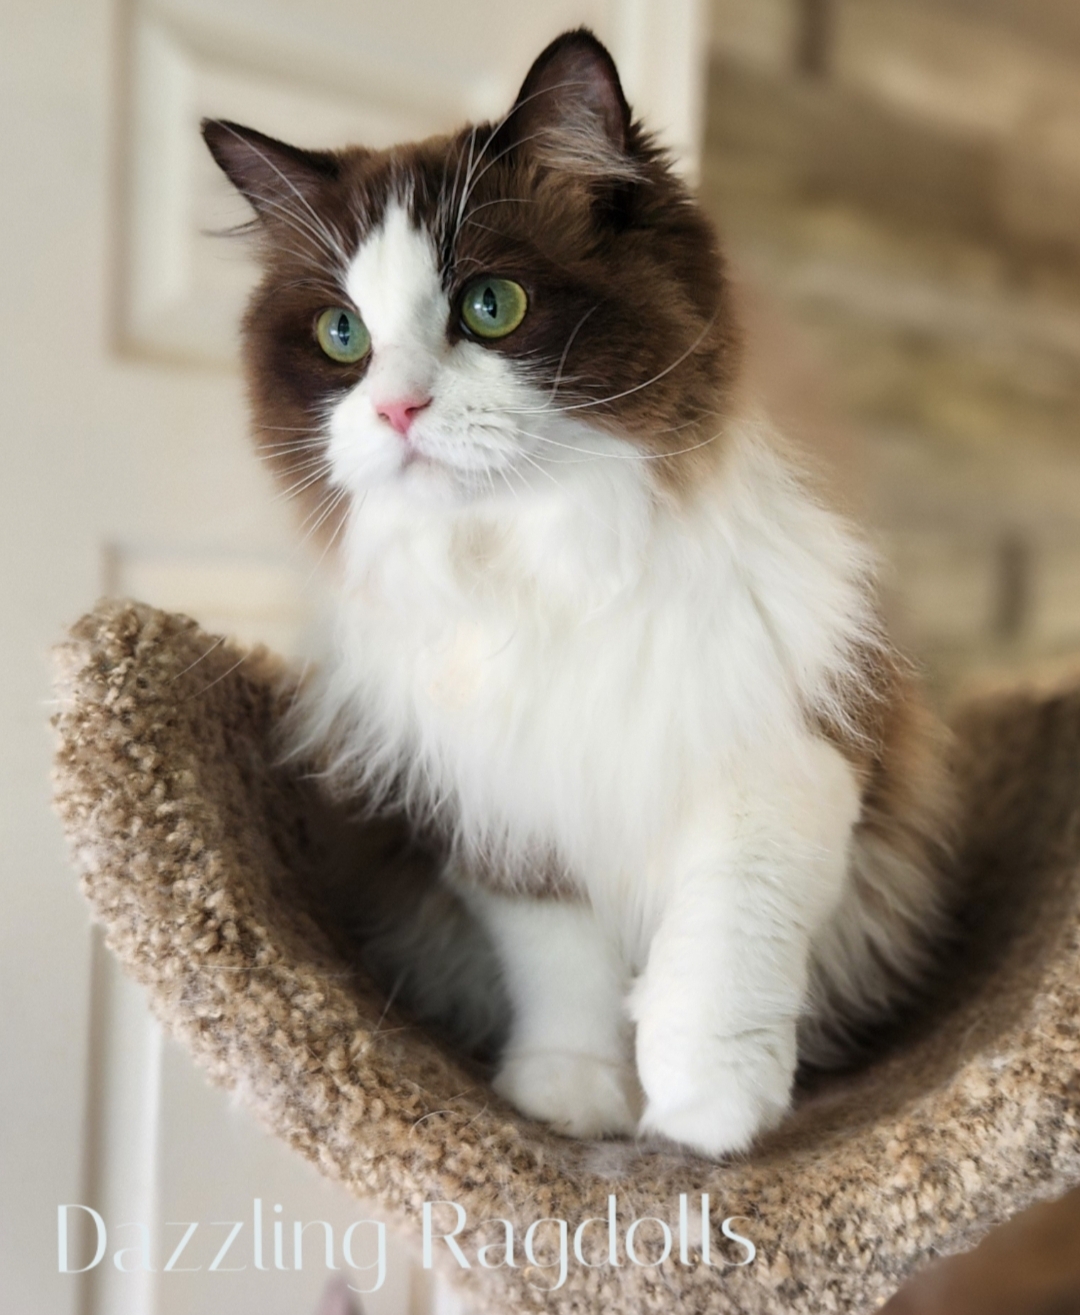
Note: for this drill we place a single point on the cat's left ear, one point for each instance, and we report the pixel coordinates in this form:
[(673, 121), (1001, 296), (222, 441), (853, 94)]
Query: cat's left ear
[(274, 176), (571, 112)]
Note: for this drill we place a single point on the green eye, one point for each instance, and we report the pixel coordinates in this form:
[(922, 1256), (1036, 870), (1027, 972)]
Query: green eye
[(342, 335), (492, 308)]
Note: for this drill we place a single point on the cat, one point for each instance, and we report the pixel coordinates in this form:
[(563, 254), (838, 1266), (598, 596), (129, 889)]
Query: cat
[(594, 623)]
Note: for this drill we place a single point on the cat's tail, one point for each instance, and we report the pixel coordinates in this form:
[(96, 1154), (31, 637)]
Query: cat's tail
[(882, 951)]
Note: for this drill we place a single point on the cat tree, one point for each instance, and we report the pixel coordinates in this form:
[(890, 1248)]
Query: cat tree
[(212, 871)]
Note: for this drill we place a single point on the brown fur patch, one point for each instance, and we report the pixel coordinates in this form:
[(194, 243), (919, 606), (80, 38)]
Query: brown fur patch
[(900, 860), (890, 738)]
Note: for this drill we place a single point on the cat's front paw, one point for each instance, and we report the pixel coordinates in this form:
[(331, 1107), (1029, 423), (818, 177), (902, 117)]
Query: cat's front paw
[(579, 1095), (716, 1094)]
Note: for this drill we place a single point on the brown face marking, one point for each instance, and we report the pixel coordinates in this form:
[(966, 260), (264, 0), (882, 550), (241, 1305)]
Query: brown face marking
[(629, 323)]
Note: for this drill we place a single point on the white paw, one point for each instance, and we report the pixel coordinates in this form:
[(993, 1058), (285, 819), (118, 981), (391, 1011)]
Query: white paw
[(716, 1094), (579, 1095)]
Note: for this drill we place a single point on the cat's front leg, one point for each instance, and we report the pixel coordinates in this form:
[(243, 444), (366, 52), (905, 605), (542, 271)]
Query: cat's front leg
[(752, 878), (568, 1059)]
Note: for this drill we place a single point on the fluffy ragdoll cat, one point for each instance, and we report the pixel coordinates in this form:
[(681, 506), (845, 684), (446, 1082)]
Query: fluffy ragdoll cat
[(592, 621)]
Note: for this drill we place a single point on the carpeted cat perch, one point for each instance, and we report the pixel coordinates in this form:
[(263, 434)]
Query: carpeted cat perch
[(207, 865)]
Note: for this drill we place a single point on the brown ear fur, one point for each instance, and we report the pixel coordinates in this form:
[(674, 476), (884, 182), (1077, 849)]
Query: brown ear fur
[(571, 110), (268, 172)]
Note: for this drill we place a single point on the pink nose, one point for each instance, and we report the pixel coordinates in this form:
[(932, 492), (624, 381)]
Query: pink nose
[(402, 411)]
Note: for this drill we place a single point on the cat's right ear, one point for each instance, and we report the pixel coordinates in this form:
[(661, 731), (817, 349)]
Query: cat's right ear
[(271, 174)]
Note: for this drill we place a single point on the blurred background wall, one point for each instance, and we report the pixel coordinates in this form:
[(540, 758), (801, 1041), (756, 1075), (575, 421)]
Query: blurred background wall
[(904, 177), (901, 178)]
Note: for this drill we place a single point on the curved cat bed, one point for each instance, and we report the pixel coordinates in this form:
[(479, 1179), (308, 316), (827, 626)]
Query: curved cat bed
[(208, 866)]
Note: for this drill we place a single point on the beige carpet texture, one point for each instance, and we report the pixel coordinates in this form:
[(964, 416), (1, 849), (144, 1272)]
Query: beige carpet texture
[(217, 874)]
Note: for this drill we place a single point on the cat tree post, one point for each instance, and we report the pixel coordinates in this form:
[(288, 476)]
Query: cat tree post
[(203, 860)]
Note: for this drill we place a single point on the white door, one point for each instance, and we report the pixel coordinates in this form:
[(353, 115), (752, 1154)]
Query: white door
[(126, 469)]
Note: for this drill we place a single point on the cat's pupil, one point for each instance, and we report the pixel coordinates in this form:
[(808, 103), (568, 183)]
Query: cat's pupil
[(343, 330), (490, 302)]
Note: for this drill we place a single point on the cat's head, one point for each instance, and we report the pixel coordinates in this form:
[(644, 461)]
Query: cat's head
[(454, 314)]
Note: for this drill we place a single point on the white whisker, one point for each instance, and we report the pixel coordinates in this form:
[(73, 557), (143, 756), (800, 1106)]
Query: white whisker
[(588, 454), (626, 392)]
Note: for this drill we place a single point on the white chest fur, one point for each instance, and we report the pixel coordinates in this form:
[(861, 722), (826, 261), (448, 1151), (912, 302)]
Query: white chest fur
[(571, 672)]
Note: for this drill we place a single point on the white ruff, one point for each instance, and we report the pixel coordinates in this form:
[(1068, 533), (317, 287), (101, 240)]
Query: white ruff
[(559, 660), (571, 666)]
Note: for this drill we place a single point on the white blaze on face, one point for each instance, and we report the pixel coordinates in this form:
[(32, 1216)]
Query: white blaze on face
[(468, 428), (487, 428), (394, 280)]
